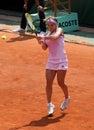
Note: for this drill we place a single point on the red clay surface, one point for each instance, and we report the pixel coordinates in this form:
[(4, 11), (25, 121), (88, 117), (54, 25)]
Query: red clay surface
[(23, 104)]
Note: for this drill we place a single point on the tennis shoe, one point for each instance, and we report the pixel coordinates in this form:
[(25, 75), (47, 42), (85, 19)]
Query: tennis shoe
[(65, 103), (19, 30), (51, 108)]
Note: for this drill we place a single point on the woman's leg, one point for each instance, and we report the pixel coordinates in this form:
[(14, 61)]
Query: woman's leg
[(61, 81), (50, 75)]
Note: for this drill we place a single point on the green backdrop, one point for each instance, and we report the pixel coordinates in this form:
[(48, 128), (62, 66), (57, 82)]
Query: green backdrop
[(85, 10)]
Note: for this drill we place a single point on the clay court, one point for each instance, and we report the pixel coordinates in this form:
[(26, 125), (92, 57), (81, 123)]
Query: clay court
[(23, 104)]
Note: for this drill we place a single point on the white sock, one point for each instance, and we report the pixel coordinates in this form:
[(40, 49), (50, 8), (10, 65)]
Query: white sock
[(50, 103)]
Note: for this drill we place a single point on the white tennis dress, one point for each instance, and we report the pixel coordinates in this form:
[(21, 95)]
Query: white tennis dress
[(57, 59)]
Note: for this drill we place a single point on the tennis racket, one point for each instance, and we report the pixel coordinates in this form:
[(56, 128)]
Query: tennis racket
[(30, 22)]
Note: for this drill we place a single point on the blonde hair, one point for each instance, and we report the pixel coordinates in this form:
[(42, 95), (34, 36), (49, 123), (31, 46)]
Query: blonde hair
[(50, 17)]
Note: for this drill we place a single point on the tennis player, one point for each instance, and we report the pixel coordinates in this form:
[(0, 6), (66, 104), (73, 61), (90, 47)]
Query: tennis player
[(57, 63)]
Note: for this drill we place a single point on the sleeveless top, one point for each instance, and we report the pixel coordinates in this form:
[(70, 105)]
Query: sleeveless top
[(57, 52)]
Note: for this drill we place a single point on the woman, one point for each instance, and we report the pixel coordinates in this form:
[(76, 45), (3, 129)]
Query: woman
[(57, 63)]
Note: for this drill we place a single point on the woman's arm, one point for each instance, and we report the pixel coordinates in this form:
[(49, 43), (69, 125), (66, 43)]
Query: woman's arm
[(44, 46), (48, 36), (42, 42)]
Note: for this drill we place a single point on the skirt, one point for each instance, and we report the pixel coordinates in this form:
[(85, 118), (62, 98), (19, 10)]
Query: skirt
[(57, 66)]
